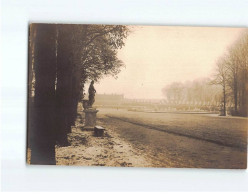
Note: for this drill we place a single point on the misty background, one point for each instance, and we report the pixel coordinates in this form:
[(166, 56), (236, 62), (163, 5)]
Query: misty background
[(156, 56)]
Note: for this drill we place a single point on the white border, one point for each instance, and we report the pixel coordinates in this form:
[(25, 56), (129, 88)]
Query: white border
[(16, 15)]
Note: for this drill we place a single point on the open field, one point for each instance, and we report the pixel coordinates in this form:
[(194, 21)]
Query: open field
[(182, 140)]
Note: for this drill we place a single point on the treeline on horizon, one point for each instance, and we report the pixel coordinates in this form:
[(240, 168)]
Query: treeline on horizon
[(228, 88), (197, 92)]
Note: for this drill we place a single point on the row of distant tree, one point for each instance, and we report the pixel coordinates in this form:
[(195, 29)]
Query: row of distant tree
[(197, 92), (229, 85)]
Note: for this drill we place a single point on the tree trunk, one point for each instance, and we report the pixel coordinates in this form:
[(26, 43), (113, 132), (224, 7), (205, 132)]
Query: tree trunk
[(64, 85), (31, 42), (224, 100), (75, 96), (244, 99), (235, 95), (43, 147)]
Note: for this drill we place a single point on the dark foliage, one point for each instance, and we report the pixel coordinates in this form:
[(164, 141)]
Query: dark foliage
[(62, 58)]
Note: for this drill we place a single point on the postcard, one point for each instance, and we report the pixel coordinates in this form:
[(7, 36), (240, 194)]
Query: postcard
[(137, 96)]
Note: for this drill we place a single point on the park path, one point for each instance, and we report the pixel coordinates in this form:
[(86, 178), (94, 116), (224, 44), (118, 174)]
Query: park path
[(87, 150)]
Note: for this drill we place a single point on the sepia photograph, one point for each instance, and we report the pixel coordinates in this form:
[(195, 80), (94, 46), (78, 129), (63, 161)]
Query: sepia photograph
[(137, 96)]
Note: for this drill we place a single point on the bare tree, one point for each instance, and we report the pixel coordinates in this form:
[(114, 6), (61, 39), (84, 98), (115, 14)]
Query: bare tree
[(220, 78), (237, 65), (233, 66), (243, 73), (174, 92)]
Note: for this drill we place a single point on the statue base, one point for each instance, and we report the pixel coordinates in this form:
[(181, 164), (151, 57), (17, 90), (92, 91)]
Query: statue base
[(90, 119)]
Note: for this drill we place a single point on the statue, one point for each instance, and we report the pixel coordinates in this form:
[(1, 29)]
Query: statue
[(92, 93), (90, 113)]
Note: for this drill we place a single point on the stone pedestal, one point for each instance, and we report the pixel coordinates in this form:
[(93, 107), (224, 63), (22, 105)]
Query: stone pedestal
[(90, 118)]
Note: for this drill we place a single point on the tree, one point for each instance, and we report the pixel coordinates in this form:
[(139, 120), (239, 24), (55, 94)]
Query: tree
[(95, 54), (236, 62), (243, 73), (233, 66), (43, 135), (174, 92), (220, 78), (65, 57)]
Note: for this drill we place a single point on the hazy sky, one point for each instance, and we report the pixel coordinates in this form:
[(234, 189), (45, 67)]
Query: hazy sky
[(156, 56)]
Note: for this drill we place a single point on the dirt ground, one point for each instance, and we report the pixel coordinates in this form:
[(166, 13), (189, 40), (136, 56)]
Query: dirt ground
[(136, 139), (182, 140), (109, 150)]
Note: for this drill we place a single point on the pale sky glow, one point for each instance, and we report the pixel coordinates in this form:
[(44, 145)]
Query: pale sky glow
[(157, 56)]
